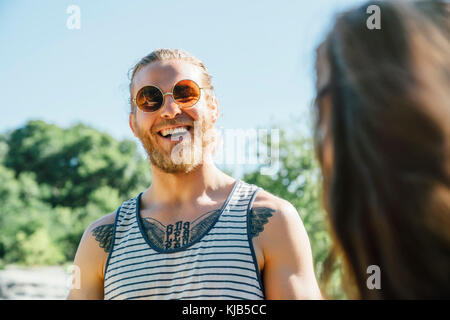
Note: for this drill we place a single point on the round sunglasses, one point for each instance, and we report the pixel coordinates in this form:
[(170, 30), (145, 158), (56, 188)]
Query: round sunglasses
[(185, 93)]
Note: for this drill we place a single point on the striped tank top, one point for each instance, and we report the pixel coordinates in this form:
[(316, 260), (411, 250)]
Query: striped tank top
[(220, 264)]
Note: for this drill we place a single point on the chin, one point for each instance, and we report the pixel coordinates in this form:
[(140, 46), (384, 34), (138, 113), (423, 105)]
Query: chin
[(170, 167), (165, 162), (182, 158)]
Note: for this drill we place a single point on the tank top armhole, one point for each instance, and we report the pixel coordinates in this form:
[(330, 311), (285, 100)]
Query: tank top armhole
[(113, 240), (250, 240)]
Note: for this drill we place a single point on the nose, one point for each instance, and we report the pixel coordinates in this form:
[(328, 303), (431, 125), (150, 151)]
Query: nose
[(169, 109)]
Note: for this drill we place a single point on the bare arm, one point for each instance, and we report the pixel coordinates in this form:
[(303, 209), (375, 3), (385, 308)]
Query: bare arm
[(288, 264), (90, 260)]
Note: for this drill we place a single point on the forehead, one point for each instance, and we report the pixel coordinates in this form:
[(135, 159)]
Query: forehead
[(164, 74)]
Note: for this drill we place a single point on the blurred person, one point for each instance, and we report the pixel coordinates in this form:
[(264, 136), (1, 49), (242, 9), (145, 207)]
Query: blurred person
[(195, 232), (383, 142)]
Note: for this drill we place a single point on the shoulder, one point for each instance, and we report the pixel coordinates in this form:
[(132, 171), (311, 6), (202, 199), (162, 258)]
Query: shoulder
[(96, 242), (90, 258), (104, 226), (264, 198), (281, 210), (105, 220), (100, 228), (100, 232), (283, 240), (275, 222)]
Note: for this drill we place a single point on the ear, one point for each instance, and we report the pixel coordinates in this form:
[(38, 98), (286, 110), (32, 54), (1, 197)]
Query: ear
[(213, 107), (131, 121)]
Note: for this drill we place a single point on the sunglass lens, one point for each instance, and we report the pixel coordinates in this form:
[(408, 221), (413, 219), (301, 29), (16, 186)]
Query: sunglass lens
[(186, 93), (149, 99)]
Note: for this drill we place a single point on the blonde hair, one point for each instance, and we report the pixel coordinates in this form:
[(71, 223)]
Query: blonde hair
[(171, 54)]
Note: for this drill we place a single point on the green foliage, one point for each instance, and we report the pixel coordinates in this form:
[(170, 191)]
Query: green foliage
[(55, 182), (38, 248), (298, 181), (74, 162)]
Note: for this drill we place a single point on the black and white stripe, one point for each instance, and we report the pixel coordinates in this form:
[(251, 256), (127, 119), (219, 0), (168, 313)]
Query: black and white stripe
[(220, 265)]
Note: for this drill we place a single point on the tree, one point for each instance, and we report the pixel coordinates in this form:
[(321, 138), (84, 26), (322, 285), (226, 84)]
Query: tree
[(298, 181), (74, 162), (55, 182)]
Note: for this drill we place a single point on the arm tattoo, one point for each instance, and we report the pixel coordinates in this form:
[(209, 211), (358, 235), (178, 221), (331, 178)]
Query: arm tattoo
[(103, 234), (259, 216)]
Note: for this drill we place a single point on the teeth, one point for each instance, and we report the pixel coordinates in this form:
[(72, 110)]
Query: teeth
[(176, 130)]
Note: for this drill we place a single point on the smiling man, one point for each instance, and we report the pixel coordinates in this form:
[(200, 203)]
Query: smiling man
[(195, 233)]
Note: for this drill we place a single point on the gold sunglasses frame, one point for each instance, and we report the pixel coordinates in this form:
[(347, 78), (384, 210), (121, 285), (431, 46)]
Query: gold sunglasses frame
[(168, 93)]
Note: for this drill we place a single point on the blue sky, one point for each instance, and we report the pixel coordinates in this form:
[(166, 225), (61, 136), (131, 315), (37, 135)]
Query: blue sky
[(260, 54)]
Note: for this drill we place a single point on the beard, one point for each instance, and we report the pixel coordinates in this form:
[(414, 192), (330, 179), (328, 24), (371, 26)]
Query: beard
[(184, 156)]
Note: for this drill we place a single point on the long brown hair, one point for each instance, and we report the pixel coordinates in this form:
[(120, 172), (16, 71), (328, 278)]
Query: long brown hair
[(388, 193)]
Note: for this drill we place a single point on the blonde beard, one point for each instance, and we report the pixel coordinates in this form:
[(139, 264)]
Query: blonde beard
[(185, 156)]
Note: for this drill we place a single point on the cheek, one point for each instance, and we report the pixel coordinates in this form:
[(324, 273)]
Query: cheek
[(327, 142), (325, 150), (326, 164), (328, 156), (194, 113), (143, 121)]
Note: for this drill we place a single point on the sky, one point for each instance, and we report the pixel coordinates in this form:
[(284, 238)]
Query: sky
[(259, 53)]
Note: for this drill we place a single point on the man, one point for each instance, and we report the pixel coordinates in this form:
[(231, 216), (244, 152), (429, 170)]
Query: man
[(195, 232)]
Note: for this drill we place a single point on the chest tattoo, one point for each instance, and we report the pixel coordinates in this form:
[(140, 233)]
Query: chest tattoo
[(181, 233), (177, 235)]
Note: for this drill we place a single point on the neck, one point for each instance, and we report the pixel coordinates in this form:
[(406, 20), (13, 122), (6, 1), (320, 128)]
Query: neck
[(179, 189)]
